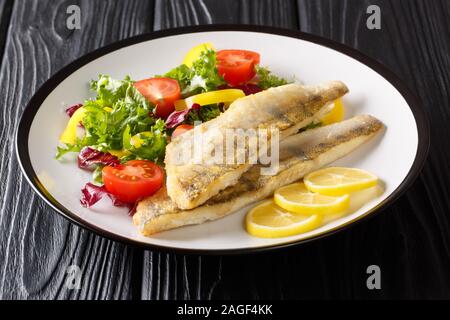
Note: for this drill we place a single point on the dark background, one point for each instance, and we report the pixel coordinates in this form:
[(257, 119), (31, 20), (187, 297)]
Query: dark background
[(410, 241)]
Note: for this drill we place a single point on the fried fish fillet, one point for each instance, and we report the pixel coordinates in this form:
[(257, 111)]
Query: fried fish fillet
[(299, 155), (287, 108)]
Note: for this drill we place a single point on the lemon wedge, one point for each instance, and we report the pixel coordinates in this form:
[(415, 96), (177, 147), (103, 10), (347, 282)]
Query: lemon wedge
[(337, 181), (195, 52), (336, 113), (267, 220), (296, 198)]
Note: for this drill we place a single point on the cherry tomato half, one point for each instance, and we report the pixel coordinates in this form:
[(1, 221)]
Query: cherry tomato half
[(182, 128), (237, 66), (162, 92), (133, 180)]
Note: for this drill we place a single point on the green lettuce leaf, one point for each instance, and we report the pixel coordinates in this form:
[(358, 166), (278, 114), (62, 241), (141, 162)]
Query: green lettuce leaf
[(97, 176), (201, 77), (267, 79), (152, 143), (117, 107), (183, 74), (61, 151), (203, 114), (312, 125)]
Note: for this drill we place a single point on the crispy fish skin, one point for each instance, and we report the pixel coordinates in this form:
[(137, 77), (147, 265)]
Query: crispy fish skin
[(286, 108), (299, 155)]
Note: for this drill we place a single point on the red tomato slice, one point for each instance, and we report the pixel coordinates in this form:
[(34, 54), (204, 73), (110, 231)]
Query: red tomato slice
[(162, 92), (182, 128), (133, 180), (237, 66)]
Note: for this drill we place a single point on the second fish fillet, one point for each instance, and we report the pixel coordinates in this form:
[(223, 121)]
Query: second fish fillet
[(299, 155), (191, 182)]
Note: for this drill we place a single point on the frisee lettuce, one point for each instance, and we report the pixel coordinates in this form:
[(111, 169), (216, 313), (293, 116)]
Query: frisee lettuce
[(61, 151), (97, 177), (150, 142), (119, 107), (203, 114), (312, 125), (267, 80), (201, 77)]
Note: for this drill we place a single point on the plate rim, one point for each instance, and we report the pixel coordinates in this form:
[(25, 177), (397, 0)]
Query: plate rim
[(29, 112)]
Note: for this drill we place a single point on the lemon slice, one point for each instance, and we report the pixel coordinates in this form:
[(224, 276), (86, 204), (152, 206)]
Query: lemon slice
[(336, 181), (267, 220), (195, 52), (296, 198), (336, 113)]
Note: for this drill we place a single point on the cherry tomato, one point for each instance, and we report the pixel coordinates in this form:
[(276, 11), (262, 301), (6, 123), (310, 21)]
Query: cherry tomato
[(237, 66), (133, 180), (162, 92), (182, 128)]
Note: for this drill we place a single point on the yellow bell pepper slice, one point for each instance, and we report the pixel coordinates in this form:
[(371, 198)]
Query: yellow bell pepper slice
[(195, 52), (119, 153), (136, 141), (225, 95), (69, 134), (336, 113)]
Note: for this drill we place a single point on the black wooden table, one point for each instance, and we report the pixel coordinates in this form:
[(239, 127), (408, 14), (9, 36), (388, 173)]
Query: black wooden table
[(410, 241)]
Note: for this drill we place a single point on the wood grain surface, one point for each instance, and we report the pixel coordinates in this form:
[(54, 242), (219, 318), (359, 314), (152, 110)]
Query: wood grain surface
[(410, 241)]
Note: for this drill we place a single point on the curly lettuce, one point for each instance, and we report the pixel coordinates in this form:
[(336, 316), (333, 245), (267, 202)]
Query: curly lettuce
[(203, 114), (146, 144), (119, 107), (268, 80), (201, 77)]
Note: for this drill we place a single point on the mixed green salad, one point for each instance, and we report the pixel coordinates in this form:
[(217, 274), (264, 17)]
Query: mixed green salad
[(122, 133)]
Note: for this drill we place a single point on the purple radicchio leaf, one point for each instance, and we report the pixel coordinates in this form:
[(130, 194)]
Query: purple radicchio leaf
[(88, 158), (71, 110), (248, 88), (177, 117), (91, 194)]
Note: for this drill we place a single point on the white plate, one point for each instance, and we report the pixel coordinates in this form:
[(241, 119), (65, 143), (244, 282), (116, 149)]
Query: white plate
[(396, 157)]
